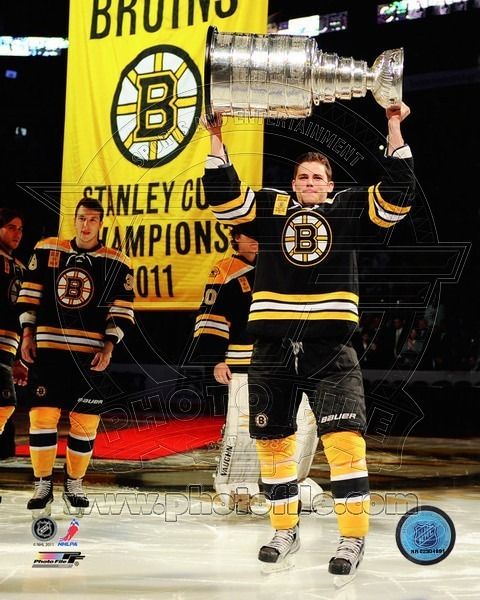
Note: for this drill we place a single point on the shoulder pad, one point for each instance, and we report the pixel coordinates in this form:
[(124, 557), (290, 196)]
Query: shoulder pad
[(54, 243), (114, 255), (226, 270)]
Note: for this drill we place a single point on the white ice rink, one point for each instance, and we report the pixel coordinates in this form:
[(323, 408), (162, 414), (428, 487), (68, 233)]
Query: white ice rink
[(208, 557)]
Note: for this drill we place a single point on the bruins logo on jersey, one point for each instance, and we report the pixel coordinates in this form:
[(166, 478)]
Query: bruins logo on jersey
[(306, 238), (74, 288), (14, 290)]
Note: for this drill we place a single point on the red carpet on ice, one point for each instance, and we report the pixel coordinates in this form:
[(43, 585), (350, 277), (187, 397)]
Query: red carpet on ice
[(150, 441)]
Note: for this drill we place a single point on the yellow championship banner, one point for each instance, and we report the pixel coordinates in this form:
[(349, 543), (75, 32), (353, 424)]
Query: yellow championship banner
[(135, 94)]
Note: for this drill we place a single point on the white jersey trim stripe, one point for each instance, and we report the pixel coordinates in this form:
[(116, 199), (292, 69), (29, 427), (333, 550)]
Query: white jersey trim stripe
[(212, 325), (237, 354), (238, 212), (31, 293), (308, 307), (48, 337), (387, 216)]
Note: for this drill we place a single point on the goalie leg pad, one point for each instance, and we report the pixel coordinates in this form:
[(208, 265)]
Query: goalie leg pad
[(238, 469), (307, 439)]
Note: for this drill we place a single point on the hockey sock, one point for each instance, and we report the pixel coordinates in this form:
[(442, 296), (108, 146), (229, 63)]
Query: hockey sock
[(5, 413), (43, 439), (83, 430), (279, 477), (346, 455)]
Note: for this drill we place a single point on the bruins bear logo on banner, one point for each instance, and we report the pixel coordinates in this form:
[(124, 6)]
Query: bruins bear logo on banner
[(133, 140), (156, 106)]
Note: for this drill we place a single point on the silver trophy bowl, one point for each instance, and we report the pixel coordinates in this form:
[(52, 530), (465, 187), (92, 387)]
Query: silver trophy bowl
[(285, 75)]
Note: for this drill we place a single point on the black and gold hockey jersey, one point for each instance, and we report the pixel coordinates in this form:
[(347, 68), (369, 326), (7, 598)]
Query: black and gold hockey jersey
[(220, 333), (306, 283), (11, 275), (74, 298)]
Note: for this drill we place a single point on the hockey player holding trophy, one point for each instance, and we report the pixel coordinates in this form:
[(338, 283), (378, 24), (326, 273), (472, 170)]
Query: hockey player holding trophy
[(305, 299), (303, 334)]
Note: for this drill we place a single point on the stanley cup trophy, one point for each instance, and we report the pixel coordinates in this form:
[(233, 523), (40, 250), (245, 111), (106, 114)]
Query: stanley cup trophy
[(284, 75)]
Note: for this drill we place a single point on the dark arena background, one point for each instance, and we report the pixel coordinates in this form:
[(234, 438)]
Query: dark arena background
[(161, 434)]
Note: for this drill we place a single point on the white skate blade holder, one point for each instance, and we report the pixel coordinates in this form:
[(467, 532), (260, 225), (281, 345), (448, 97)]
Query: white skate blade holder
[(287, 563), (340, 581), (42, 512)]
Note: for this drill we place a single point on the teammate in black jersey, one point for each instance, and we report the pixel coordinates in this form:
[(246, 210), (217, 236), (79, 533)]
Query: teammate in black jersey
[(11, 274), (304, 311), (221, 342), (75, 304)]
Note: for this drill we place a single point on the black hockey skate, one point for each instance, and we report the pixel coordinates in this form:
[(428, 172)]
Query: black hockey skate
[(276, 555), (41, 501), (75, 499), (347, 559)]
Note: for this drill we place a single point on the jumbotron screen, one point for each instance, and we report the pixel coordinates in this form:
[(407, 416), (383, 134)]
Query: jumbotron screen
[(401, 10)]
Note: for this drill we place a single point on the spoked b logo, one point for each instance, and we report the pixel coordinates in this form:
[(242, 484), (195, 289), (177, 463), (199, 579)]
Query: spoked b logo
[(156, 106), (306, 238)]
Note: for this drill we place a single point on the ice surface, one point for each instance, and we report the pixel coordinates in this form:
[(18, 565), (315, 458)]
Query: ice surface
[(183, 554)]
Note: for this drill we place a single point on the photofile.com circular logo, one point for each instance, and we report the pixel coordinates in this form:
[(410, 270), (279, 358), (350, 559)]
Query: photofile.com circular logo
[(425, 535)]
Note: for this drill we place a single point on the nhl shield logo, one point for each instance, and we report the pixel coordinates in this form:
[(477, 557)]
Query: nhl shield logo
[(44, 529), (425, 534)]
